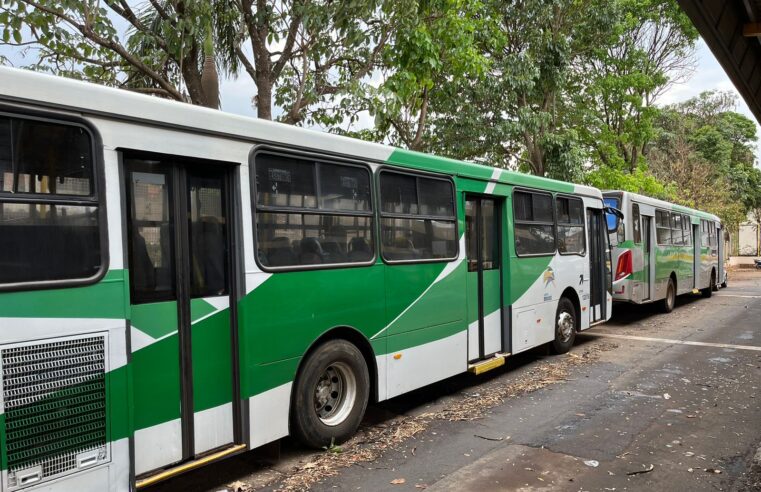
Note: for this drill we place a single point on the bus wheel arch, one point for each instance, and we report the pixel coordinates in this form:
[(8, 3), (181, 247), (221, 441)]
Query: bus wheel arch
[(570, 294), (712, 285), (565, 323), (334, 383)]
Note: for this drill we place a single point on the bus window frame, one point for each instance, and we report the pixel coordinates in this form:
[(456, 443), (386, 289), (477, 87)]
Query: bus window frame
[(553, 223), (657, 240), (583, 252), (390, 215), (317, 157), (636, 224), (95, 199)]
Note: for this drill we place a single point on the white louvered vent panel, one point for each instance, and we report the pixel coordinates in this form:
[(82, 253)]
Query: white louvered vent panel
[(54, 398)]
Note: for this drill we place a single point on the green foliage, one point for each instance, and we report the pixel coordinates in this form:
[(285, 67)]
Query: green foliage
[(433, 47), (706, 151), (639, 181), (650, 47)]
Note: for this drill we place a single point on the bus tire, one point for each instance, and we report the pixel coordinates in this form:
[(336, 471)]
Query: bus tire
[(566, 324), (331, 394), (714, 283), (708, 291), (667, 303)]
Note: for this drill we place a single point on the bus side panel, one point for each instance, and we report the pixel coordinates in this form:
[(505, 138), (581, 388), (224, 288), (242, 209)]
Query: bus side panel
[(280, 319), (52, 316), (427, 337)]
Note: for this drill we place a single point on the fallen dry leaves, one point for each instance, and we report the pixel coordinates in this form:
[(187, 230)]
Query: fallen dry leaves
[(371, 442)]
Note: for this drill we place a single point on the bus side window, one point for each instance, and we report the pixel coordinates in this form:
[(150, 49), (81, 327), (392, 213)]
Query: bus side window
[(418, 219), (570, 219), (312, 213), (534, 223), (636, 228), (49, 210), (663, 227), (687, 230)]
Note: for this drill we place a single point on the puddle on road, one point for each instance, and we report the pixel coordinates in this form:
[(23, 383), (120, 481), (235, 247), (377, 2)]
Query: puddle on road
[(720, 360)]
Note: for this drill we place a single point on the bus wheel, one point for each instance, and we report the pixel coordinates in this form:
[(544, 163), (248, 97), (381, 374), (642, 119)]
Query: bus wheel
[(565, 326), (667, 304), (708, 291), (331, 394), (724, 283), (714, 284)]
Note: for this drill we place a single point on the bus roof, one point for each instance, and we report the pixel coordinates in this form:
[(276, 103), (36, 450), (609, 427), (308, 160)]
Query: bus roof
[(37, 89), (662, 204)]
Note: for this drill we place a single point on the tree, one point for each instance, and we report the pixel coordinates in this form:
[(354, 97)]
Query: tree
[(515, 115), (705, 150), (295, 51), (432, 49), (620, 81), (162, 52)]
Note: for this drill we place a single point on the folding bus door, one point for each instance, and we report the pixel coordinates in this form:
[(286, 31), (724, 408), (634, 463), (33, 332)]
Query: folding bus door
[(181, 282), (647, 244), (485, 313), (598, 265)]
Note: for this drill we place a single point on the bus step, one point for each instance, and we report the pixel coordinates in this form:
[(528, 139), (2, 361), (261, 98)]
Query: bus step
[(695, 291), (483, 366), (187, 466)]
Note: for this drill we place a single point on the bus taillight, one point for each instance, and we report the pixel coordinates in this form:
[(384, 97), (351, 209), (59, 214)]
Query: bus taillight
[(624, 266)]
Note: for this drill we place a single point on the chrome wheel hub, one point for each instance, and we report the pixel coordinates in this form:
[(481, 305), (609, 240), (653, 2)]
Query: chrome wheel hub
[(565, 326), (335, 394)]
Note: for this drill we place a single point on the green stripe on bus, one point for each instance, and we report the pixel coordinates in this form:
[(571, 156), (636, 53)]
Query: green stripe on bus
[(104, 299), (212, 364)]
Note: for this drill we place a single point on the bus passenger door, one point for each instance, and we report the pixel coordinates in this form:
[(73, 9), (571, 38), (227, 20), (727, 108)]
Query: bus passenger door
[(721, 239), (697, 263), (181, 283), (647, 244), (482, 237), (598, 269)]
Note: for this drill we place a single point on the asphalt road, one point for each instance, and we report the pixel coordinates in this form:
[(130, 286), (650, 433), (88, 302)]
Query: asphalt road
[(650, 402)]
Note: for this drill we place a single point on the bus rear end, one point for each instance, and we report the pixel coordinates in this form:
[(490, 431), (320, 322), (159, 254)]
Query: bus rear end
[(622, 255)]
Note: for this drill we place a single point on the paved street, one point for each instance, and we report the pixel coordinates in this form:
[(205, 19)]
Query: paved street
[(645, 402)]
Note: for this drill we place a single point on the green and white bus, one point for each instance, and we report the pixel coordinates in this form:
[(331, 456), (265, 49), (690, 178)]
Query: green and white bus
[(178, 284), (662, 250)]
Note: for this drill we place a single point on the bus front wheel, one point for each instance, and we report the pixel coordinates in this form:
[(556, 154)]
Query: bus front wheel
[(667, 304), (331, 395), (565, 326)]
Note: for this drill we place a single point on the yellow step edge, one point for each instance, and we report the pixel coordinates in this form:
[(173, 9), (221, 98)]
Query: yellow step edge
[(488, 364), (171, 472)]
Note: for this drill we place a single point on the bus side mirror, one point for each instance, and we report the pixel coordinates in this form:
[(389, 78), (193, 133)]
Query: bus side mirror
[(613, 216)]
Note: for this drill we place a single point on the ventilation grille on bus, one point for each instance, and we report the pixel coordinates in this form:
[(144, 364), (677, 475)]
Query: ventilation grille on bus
[(54, 396)]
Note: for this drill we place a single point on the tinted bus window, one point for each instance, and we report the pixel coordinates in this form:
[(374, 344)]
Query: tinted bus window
[(50, 237), (534, 224), (301, 223), (636, 226), (417, 218), (663, 227), (570, 218)]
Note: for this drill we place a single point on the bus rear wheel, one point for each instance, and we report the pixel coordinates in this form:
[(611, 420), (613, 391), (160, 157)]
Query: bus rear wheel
[(667, 304), (565, 326), (708, 291), (331, 395)]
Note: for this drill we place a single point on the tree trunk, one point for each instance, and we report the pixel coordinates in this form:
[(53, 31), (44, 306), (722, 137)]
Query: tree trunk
[(210, 83), (263, 96), (192, 77)]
